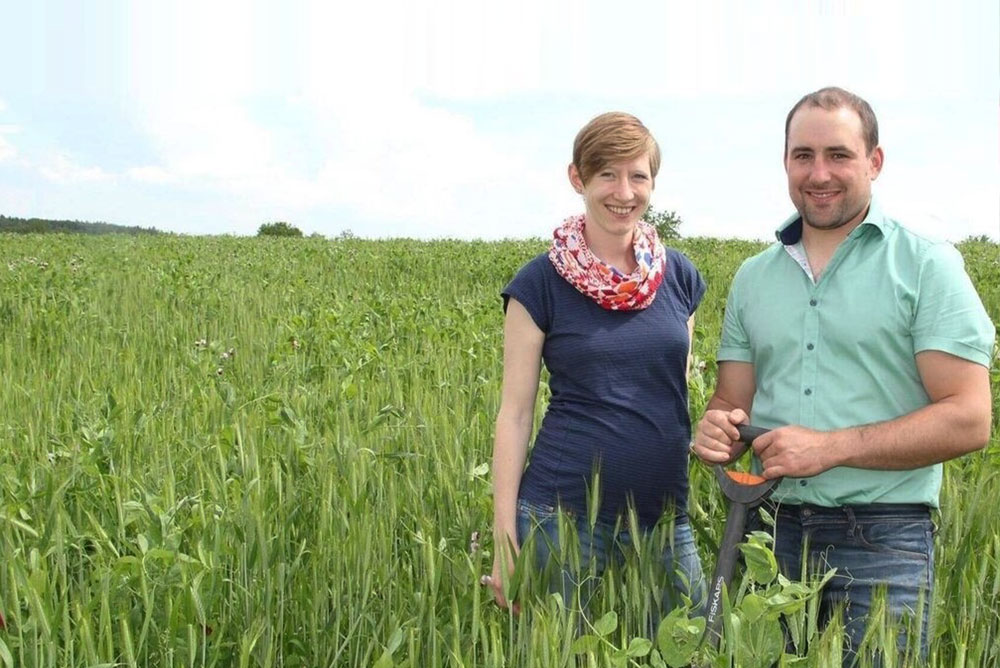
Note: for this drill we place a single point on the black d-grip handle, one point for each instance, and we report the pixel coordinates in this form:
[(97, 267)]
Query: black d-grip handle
[(745, 488), (748, 433)]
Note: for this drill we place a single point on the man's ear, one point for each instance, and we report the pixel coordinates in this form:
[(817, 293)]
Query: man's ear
[(875, 162)]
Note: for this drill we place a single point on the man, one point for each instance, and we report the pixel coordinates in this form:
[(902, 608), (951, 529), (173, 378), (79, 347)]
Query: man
[(865, 348)]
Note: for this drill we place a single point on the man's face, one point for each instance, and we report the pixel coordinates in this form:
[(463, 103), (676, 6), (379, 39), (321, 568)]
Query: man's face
[(830, 172)]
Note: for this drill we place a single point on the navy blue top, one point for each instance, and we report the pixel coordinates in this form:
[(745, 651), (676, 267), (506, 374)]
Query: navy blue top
[(619, 394)]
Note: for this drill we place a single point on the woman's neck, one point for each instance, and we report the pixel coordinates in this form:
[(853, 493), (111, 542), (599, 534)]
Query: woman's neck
[(617, 251)]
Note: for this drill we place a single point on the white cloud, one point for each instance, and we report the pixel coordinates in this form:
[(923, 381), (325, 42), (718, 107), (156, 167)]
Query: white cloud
[(7, 149), (400, 162), (150, 174), (357, 143), (956, 211), (209, 139), (62, 169)]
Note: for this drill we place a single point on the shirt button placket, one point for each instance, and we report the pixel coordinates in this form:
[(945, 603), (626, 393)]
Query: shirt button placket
[(810, 362)]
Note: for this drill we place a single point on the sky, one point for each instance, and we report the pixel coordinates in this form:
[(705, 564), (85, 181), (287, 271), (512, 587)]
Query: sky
[(456, 118)]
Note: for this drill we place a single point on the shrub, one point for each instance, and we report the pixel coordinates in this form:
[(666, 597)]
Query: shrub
[(278, 229), (665, 222)]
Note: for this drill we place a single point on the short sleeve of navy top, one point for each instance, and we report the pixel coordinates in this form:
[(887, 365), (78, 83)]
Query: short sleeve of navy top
[(619, 394)]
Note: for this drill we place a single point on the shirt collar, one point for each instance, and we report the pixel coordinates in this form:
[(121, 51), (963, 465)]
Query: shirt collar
[(790, 231)]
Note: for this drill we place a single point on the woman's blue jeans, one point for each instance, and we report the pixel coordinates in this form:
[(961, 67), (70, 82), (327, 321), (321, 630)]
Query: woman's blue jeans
[(574, 555), (888, 547)]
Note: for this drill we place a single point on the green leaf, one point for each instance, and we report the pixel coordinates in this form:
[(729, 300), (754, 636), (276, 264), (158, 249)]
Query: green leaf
[(348, 390), (655, 660), (585, 644), (753, 607), (760, 644), (796, 589), (765, 517), (678, 637), (159, 554), (512, 584), (127, 563), (606, 624), (638, 647), (732, 626), (287, 416), (783, 604), (384, 661), (762, 567), (826, 578), (395, 640), (5, 654)]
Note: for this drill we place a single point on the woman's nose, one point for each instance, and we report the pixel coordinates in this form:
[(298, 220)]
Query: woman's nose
[(624, 190)]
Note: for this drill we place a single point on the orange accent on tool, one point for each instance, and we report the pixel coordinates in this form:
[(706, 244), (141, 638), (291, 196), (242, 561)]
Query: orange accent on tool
[(745, 478)]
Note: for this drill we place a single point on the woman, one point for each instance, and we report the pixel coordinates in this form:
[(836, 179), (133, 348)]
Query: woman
[(609, 311)]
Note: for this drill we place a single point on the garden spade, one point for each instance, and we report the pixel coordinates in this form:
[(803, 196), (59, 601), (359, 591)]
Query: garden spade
[(744, 491)]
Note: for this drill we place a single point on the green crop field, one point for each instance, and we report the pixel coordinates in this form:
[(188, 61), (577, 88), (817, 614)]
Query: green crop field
[(274, 452)]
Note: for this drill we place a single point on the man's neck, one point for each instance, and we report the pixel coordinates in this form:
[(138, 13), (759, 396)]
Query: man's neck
[(820, 245)]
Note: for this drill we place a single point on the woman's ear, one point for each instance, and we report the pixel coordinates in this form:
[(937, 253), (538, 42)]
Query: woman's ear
[(574, 178)]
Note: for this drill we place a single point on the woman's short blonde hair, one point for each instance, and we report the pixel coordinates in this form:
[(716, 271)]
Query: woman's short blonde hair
[(613, 137)]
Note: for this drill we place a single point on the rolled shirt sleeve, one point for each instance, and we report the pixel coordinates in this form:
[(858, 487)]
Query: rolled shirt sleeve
[(949, 315)]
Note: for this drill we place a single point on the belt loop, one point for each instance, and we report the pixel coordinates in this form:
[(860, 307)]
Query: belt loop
[(852, 527)]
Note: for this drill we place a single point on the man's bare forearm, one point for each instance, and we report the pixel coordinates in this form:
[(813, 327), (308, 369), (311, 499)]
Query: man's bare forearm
[(930, 435)]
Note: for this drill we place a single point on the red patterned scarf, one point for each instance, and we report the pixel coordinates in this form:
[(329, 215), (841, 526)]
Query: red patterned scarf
[(607, 286)]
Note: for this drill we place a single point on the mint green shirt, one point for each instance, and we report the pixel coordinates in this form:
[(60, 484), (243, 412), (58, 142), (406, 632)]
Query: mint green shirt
[(840, 352)]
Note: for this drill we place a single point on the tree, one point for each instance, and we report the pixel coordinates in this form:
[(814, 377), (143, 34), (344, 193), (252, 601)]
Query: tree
[(665, 222), (278, 229)]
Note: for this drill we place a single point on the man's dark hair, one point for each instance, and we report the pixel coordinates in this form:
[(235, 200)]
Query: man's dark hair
[(831, 98)]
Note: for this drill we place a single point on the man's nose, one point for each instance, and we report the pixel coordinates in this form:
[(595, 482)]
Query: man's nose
[(820, 172)]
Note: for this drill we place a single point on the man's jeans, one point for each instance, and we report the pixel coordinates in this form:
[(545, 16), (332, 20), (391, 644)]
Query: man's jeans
[(573, 569), (877, 546)]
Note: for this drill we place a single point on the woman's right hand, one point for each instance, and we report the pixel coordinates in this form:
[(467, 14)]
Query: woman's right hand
[(496, 579)]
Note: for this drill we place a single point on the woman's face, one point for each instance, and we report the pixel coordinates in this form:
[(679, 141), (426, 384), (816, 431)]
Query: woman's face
[(616, 196)]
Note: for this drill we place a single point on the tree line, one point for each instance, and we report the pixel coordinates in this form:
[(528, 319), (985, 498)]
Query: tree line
[(666, 223), (41, 226)]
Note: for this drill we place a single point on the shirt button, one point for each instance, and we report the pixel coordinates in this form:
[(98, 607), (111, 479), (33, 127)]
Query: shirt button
[(810, 347), (803, 483), (808, 392), (812, 302)]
